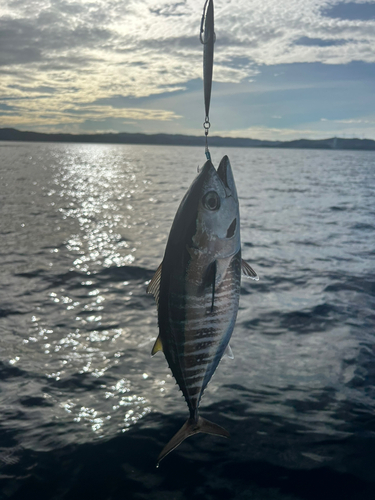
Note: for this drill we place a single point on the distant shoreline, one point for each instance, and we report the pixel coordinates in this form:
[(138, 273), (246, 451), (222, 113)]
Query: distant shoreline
[(336, 143)]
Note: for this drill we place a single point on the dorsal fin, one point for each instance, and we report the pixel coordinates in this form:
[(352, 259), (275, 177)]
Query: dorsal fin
[(248, 271), (154, 285), (158, 346)]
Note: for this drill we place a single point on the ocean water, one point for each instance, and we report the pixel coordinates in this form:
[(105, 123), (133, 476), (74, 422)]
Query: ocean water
[(85, 410)]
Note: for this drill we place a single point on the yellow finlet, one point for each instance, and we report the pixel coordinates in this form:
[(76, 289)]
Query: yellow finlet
[(158, 346)]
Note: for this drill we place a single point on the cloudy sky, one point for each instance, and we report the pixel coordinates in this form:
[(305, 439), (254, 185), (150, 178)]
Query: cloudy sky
[(283, 69)]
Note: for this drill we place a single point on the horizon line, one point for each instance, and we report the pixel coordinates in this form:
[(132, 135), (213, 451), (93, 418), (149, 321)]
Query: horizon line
[(12, 134)]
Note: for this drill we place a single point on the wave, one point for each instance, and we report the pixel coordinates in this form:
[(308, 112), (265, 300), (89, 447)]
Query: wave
[(204, 467)]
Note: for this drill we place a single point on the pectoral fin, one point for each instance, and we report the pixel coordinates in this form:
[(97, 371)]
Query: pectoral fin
[(209, 281), (154, 285), (248, 271), (213, 284)]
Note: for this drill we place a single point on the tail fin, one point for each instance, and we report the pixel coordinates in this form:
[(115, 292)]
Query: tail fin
[(190, 428)]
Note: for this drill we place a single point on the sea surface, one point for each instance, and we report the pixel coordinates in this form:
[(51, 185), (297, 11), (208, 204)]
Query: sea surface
[(85, 410)]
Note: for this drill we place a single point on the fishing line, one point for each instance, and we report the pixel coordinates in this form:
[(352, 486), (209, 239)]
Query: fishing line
[(207, 38)]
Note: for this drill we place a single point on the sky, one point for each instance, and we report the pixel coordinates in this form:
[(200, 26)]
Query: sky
[(283, 69)]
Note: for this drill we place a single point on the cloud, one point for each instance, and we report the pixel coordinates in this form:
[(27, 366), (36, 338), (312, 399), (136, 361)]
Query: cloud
[(26, 41), (162, 36), (350, 128), (82, 52), (27, 113)]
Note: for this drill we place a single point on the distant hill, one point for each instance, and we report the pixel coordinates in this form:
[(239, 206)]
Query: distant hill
[(10, 134), (333, 143)]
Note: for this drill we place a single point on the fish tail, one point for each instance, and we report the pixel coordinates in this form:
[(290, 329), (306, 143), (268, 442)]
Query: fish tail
[(191, 427)]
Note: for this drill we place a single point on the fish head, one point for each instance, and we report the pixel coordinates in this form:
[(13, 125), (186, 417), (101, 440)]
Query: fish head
[(217, 217)]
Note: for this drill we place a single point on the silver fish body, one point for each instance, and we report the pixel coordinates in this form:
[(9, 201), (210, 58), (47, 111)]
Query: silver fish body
[(197, 288)]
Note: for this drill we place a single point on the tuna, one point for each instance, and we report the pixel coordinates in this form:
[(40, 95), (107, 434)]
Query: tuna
[(197, 290)]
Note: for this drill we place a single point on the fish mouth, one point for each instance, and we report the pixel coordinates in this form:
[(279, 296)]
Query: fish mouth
[(231, 229), (225, 174), (222, 171)]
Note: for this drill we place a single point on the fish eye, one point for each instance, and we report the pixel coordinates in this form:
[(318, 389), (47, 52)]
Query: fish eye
[(211, 201)]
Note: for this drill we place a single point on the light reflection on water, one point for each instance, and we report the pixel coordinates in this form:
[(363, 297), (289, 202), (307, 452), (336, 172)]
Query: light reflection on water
[(101, 187), (90, 233)]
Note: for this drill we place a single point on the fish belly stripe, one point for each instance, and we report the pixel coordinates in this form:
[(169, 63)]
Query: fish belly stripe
[(189, 387), (181, 297), (223, 291), (199, 359), (226, 289), (218, 313), (199, 329), (202, 340), (201, 362), (197, 369), (200, 303), (204, 329), (207, 329), (194, 393), (203, 323), (216, 317), (198, 353), (227, 282), (200, 375)]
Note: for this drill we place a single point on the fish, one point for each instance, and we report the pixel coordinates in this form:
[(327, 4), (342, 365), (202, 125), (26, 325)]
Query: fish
[(197, 290)]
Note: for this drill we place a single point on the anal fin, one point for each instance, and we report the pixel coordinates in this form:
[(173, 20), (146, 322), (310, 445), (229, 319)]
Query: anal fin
[(228, 352)]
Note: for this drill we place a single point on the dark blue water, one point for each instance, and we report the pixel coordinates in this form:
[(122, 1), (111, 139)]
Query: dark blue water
[(85, 410)]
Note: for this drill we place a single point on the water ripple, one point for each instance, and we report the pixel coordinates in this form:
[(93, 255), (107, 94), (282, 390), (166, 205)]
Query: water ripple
[(84, 230)]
